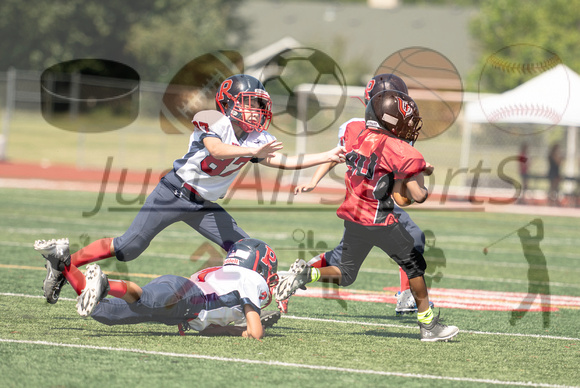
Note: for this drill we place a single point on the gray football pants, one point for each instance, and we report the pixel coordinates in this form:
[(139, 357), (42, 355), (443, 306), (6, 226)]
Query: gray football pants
[(167, 205)]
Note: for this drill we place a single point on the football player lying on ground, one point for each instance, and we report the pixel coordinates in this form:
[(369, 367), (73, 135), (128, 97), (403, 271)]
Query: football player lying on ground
[(379, 158), (224, 140), (209, 301), (405, 301)]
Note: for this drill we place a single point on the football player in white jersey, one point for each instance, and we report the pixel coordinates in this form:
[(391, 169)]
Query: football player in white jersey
[(209, 301), (222, 143)]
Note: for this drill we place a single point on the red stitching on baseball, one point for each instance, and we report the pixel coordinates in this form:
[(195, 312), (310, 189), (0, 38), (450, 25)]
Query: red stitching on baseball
[(524, 68), (525, 110)]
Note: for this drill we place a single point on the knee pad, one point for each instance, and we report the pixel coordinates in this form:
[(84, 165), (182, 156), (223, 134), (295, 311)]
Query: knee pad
[(414, 267), (348, 277)]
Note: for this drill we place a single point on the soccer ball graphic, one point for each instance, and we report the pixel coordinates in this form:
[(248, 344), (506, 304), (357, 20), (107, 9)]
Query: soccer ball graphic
[(307, 86)]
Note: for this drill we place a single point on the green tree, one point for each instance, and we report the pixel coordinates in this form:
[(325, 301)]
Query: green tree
[(167, 41), (551, 25), (144, 34)]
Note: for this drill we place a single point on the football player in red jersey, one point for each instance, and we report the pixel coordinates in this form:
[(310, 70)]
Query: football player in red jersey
[(209, 301), (377, 157), (405, 302)]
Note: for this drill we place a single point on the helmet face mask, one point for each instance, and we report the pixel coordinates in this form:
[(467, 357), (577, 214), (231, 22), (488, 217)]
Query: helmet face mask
[(395, 113), (245, 101)]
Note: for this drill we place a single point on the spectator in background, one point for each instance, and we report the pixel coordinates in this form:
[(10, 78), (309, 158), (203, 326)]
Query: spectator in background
[(554, 177), (523, 167)]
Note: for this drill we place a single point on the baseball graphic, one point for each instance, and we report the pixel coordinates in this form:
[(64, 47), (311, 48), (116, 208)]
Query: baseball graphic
[(434, 83), (523, 89)]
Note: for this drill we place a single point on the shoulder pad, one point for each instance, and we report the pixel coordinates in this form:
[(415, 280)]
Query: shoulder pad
[(208, 117)]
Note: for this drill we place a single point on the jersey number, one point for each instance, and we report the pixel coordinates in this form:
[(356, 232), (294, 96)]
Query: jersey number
[(362, 165), (213, 167)]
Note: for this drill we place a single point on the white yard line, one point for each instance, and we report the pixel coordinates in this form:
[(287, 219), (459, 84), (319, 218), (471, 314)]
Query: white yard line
[(284, 364)]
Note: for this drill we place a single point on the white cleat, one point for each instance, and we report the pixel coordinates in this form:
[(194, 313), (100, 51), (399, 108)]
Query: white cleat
[(297, 277), (57, 255), (96, 289)]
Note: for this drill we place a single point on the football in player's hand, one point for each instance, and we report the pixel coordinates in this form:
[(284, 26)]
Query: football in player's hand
[(400, 194)]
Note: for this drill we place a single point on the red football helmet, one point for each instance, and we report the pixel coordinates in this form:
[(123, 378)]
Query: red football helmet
[(396, 113), (245, 101)]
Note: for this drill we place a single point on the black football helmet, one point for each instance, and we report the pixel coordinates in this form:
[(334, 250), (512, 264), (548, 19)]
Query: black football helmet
[(244, 99), (396, 113), (382, 82), (256, 255)]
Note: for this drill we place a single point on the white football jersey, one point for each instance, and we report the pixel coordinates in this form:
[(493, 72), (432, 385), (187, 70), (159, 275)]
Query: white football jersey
[(212, 177), (342, 130), (226, 290)]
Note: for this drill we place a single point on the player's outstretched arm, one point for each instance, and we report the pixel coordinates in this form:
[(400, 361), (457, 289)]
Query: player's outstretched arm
[(297, 162), (221, 150), (320, 172)]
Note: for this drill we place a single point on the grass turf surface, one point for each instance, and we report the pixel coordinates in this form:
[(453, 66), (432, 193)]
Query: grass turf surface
[(362, 345)]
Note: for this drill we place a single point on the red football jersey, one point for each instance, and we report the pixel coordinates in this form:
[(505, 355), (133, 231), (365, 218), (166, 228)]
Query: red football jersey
[(374, 160)]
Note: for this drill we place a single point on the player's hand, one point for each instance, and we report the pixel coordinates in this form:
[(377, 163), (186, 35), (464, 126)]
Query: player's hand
[(337, 155), (428, 169), (268, 150), (304, 188)]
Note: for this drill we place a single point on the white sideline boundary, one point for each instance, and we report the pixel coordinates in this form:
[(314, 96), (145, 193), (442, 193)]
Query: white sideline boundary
[(285, 364)]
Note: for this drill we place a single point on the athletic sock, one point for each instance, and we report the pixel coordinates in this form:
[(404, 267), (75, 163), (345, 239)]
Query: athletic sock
[(75, 277), (118, 288), (314, 274), (404, 280), (95, 251), (318, 261), (426, 316)]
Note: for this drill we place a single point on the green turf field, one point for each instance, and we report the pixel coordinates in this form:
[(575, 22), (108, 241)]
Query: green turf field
[(321, 342)]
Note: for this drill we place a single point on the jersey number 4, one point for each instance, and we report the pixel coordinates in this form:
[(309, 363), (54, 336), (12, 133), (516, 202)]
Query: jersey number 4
[(361, 165)]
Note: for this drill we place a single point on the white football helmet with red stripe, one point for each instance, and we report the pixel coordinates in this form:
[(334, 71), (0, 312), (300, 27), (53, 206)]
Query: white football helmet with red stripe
[(256, 255)]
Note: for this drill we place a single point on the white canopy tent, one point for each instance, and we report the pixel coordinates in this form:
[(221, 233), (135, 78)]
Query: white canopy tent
[(551, 98)]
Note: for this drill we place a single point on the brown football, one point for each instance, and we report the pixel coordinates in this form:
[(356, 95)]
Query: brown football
[(194, 87), (400, 194)]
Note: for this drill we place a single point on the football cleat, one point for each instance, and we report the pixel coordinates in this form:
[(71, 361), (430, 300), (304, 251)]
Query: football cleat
[(298, 276), (57, 255), (269, 318), (96, 288), (183, 327), (406, 303), (436, 331)]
